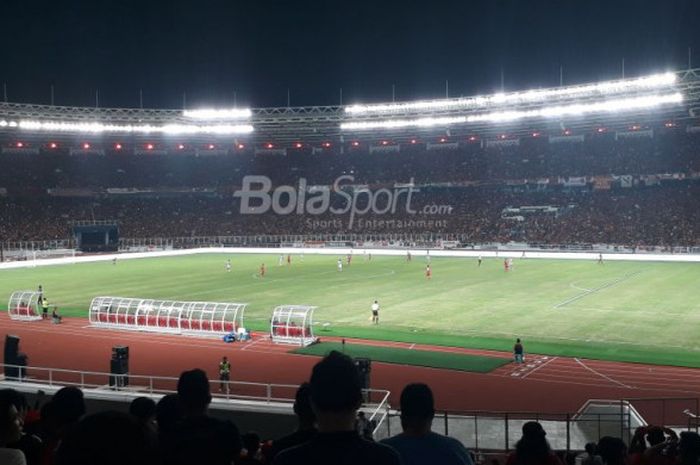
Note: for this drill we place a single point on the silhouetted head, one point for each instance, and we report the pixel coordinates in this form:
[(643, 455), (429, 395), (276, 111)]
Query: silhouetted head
[(335, 384), (417, 406), (193, 389)]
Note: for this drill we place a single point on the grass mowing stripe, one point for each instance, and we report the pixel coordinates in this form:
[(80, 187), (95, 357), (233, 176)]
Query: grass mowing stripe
[(424, 358)]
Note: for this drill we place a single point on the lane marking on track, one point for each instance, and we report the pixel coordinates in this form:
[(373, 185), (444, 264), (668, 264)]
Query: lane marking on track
[(538, 367), (602, 375), (596, 289), (412, 346), (252, 343)]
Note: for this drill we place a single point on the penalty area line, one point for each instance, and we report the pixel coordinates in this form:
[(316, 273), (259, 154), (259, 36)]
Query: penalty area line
[(596, 289)]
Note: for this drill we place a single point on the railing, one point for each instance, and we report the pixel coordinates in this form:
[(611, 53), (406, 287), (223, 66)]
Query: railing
[(499, 431), (673, 412), (162, 385)]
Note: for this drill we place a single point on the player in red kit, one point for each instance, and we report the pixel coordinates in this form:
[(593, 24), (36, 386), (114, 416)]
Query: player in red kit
[(349, 259), (428, 272)]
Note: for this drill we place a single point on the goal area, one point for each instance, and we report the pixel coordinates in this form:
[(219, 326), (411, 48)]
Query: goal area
[(292, 324), (25, 306), (167, 316)]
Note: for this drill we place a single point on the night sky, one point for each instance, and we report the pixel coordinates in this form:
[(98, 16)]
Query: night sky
[(259, 49)]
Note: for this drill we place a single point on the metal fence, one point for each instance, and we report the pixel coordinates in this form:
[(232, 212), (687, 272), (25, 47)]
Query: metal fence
[(377, 406), (499, 431)]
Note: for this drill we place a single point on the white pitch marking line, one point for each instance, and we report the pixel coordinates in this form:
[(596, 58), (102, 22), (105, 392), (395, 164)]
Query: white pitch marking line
[(574, 286), (538, 367), (602, 375)]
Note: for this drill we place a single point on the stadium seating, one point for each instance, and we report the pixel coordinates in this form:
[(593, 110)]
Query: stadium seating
[(629, 191)]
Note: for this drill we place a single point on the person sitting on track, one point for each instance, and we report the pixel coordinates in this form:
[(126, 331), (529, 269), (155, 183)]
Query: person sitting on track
[(55, 317)]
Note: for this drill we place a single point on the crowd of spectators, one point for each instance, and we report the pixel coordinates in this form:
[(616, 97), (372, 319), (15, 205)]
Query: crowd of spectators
[(177, 430), (674, 152), (665, 215), (192, 195)]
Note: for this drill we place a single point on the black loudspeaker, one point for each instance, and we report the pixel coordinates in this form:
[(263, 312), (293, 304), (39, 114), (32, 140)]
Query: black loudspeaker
[(364, 367), (11, 357), (120, 353), (119, 373), (18, 371), (11, 348)]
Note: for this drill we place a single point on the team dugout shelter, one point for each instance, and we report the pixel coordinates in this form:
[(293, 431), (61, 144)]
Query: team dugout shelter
[(25, 306), (293, 324), (167, 316)]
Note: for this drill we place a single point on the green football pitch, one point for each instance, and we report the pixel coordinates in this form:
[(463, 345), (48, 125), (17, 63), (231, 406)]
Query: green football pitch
[(621, 310)]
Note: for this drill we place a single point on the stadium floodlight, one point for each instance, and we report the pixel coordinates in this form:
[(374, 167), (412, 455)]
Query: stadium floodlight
[(580, 109), (403, 123), (168, 129), (214, 113), (653, 81)]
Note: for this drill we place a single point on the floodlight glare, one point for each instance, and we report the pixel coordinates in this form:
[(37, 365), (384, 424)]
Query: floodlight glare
[(606, 106), (169, 129), (600, 89), (214, 113)]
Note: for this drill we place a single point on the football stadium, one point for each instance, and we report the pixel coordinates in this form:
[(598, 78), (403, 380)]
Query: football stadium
[(519, 261)]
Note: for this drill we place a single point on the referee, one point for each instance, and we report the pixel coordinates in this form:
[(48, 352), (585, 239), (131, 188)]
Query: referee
[(375, 312)]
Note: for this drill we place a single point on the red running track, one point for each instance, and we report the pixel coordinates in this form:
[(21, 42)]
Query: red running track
[(543, 383)]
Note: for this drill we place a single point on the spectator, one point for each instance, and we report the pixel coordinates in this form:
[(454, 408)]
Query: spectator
[(33, 414), (49, 431), (70, 405), (144, 410), (29, 444), (418, 444), (107, 438), (362, 426), (251, 444), (168, 413), (589, 457), (198, 439), (336, 394), (638, 445), (612, 450), (58, 418), (306, 428), (689, 448), (533, 448), (10, 430), (661, 449)]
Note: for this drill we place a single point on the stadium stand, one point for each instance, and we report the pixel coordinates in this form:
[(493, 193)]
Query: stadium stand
[(631, 191)]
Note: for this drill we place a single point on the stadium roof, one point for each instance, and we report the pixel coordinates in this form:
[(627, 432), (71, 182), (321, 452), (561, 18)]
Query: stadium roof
[(636, 101)]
